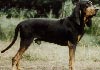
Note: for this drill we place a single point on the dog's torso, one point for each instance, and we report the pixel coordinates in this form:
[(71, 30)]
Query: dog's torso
[(57, 31)]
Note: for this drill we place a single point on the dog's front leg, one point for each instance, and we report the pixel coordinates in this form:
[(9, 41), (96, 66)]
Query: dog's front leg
[(72, 49)]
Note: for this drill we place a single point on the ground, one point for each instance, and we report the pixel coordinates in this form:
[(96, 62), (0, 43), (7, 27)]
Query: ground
[(49, 56)]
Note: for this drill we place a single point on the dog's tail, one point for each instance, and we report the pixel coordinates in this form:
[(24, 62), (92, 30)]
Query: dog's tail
[(14, 39)]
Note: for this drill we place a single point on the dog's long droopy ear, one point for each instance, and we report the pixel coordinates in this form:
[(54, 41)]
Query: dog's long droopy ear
[(77, 13), (89, 22)]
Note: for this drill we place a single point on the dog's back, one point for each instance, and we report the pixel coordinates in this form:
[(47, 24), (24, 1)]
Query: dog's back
[(50, 30)]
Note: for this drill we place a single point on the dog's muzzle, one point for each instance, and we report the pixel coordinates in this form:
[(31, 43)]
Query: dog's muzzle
[(91, 11)]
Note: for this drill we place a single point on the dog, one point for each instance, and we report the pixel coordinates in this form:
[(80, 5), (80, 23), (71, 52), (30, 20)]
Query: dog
[(67, 31)]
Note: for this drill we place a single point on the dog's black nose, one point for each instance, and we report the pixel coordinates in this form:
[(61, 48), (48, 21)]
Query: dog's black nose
[(96, 9)]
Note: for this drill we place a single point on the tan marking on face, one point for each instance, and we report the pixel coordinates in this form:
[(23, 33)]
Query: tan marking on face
[(90, 11)]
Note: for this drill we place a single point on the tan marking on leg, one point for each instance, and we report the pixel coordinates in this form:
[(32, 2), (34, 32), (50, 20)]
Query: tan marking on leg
[(71, 55), (70, 44), (71, 59), (16, 59), (79, 37), (24, 44)]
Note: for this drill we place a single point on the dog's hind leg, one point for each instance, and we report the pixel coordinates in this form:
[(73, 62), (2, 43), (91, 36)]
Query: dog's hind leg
[(24, 44)]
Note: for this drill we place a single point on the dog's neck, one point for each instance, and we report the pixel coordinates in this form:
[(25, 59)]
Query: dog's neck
[(81, 20)]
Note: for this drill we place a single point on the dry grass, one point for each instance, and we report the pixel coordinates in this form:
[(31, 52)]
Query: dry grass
[(53, 57)]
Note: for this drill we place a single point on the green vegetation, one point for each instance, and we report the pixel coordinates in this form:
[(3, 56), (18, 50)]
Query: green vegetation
[(18, 13), (7, 27)]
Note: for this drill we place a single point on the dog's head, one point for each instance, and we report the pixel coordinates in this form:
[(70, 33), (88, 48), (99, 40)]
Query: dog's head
[(86, 10)]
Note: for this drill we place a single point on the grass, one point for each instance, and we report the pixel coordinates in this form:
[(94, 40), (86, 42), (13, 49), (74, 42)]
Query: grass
[(7, 27), (94, 30), (35, 57)]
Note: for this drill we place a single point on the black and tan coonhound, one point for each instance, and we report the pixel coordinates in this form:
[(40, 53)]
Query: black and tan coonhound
[(66, 32)]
